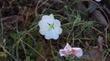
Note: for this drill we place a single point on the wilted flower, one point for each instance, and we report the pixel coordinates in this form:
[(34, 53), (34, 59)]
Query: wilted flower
[(68, 50), (50, 27)]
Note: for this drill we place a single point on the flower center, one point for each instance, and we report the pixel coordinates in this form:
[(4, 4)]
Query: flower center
[(69, 51), (50, 26)]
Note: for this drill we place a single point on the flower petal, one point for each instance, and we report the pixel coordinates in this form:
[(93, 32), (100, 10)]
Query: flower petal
[(44, 17), (67, 47), (62, 52), (58, 30), (43, 27), (51, 35), (98, 0), (48, 19), (78, 52), (42, 24), (52, 16), (57, 23)]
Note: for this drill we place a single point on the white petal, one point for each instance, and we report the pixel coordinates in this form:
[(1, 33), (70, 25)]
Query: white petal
[(57, 23), (78, 52), (56, 37), (42, 32), (47, 37), (57, 26), (62, 52), (98, 0), (48, 18), (43, 27), (52, 16), (51, 35), (58, 30), (67, 47), (43, 24)]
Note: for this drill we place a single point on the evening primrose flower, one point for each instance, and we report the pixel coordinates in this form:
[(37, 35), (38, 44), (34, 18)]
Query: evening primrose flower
[(68, 50), (50, 27)]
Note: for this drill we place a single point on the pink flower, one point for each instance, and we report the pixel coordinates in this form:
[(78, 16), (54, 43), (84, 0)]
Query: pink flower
[(68, 50)]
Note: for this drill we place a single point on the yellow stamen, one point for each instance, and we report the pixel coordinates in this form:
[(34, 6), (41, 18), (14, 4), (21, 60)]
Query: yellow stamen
[(50, 26)]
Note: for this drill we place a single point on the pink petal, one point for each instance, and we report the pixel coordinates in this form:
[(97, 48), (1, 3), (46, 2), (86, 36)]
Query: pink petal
[(62, 52), (67, 47), (78, 52)]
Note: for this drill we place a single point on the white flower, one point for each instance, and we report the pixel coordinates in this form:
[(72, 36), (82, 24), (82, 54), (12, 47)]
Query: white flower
[(98, 0), (68, 50), (50, 27)]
